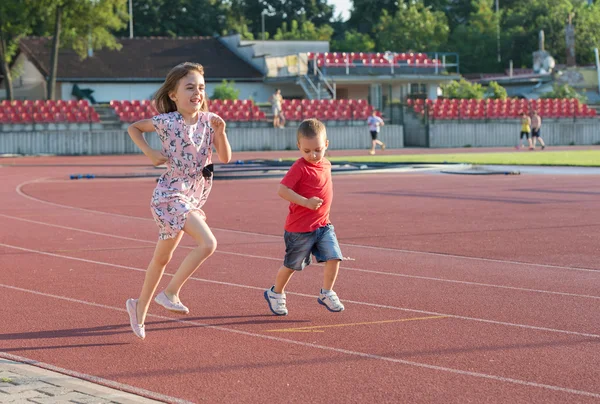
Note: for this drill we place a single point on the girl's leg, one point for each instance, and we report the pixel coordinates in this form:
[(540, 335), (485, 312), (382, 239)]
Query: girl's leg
[(281, 120), (197, 228), (283, 277), (330, 273), (162, 255)]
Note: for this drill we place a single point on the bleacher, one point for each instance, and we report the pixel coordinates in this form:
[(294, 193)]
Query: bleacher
[(47, 111), (372, 59), (236, 111), (327, 110), (500, 109), (247, 111)]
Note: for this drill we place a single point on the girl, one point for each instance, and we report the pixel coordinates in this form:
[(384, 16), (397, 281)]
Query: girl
[(187, 132)]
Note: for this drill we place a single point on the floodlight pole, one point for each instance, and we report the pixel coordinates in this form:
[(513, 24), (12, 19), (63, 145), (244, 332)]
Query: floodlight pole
[(262, 19), (498, 30), (131, 19)]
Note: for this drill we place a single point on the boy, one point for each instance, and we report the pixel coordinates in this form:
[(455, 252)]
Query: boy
[(374, 122), (308, 188)]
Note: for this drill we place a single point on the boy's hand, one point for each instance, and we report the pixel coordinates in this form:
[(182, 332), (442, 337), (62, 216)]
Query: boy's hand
[(156, 157), (217, 123), (314, 203)]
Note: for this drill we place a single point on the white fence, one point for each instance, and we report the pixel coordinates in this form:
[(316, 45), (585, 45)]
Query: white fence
[(496, 134), (94, 142)]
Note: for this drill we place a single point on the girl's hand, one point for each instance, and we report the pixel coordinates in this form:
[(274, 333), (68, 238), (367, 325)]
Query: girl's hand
[(314, 203), (156, 157), (217, 123)]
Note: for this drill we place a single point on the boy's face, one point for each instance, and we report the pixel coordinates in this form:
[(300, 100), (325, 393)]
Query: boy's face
[(313, 149)]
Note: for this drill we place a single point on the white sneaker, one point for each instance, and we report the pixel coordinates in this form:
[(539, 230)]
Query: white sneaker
[(331, 301), (137, 328), (276, 302), (165, 302)]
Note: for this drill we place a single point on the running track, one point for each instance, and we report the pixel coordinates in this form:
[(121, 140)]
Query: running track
[(459, 288)]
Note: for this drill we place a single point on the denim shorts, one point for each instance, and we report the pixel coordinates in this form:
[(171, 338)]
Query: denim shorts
[(322, 243)]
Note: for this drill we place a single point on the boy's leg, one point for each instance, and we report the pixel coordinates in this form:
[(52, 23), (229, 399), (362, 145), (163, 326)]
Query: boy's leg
[(162, 255), (283, 277), (196, 227), (330, 273), (328, 250)]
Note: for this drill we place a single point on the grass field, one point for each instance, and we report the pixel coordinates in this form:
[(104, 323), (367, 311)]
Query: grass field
[(583, 158)]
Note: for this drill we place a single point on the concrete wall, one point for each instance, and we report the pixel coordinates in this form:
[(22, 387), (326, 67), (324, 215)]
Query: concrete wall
[(92, 142), (105, 92), (491, 134)]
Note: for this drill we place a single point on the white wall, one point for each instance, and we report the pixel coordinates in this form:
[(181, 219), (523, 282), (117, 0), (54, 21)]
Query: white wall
[(104, 92), (284, 48)]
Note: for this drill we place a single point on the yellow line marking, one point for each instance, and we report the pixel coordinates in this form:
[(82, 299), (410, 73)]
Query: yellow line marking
[(318, 328)]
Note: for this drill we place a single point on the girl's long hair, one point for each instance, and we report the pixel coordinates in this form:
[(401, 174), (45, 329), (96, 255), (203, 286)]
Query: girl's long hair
[(162, 100)]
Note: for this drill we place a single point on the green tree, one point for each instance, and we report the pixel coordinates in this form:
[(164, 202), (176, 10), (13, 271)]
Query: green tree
[(496, 91), (306, 31), (414, 27), (476, 40), (587, 32), (463, 90), (354, 41), (178, 18), (522, 24), (564, 91), (457, 11), (81, 25), (366, 14), (226, 91), (17, 18)]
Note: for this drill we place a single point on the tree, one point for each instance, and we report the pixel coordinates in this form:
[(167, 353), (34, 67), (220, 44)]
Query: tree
[(317, 12), (564, 91), (354, 41), (496, 91), (306, 31), (16, 21), (457, 11), (84, 24), (523, 22), (226, 91), (463, 90), (587, 32), (414, 27), (173, 18), (366, 14), (476, 40)]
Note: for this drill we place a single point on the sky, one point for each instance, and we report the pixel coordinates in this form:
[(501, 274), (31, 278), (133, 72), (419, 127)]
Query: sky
[(342, 6)]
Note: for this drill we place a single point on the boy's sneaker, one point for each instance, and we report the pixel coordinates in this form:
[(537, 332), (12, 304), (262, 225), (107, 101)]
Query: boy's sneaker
[(165, 302), (331, 301), (276, 302)]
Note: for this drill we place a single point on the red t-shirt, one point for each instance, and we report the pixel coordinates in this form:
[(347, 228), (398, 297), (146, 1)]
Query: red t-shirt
[(308, 180)]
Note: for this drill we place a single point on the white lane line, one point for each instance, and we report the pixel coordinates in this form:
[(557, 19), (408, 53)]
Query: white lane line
[(397, 250), (381, 306), (478, 284), (332, 349)]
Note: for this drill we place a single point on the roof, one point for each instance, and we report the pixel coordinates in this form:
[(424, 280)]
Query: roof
[(142, 59)]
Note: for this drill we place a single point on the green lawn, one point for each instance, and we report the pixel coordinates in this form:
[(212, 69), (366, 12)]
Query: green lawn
[(538, 158)]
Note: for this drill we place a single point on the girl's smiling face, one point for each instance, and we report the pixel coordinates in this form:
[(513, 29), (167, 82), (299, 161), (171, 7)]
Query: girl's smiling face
[(190, 93)]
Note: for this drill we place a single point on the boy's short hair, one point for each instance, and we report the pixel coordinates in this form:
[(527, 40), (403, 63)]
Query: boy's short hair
[(311, 128)]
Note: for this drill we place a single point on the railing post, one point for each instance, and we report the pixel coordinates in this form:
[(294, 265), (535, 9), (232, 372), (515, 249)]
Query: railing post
[(319, 90)]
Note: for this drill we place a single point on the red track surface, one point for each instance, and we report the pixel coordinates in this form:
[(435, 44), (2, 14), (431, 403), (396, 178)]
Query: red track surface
[(497, 275)]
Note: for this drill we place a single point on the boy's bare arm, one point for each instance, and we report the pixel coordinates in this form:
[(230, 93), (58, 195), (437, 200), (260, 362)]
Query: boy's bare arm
[(291, 196)]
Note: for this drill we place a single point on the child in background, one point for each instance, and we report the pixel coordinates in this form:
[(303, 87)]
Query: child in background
[(308, 188), (188, 133)]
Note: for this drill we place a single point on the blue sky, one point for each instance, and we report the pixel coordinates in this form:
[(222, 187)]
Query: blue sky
[(342, 6)]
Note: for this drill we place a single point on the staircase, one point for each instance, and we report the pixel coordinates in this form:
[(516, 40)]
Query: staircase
[(108, 118), (316, 87)]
